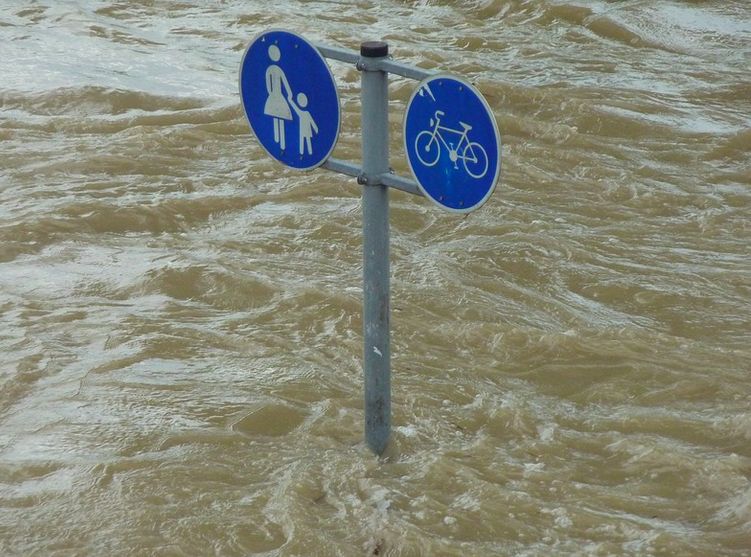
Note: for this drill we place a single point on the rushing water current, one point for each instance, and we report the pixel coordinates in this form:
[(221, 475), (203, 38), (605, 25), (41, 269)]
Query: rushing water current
[(181, 316)]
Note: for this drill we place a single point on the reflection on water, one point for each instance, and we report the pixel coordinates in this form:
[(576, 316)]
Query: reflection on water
[(181, 315)]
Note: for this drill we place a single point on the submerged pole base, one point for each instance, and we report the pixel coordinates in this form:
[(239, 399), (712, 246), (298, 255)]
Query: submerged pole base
[(377, 434)]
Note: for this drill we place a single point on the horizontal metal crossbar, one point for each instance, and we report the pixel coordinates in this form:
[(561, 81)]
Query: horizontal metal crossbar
[(398, 182), (404, 70), (374, 64), (341, 54), (388, 179), (342, 167)]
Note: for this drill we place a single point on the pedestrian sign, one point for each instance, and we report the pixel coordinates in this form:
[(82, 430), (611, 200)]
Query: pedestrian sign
[(452, 143), (290, 99)]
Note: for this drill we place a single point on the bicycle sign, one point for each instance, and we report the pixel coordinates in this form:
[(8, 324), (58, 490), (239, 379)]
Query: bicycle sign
[(452, 143), (428, 146)]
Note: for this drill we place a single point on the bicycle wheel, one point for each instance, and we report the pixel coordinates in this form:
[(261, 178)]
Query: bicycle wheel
[(427, 148), (475, 160)]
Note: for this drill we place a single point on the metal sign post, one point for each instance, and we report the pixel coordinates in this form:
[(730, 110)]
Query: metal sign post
[(375, 237), (285, 85)]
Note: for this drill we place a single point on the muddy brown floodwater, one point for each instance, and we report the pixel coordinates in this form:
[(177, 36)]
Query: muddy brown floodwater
[(181, 316)]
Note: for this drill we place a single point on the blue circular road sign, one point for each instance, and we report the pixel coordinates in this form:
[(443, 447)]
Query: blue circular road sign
[(452, 143), (290, 99)]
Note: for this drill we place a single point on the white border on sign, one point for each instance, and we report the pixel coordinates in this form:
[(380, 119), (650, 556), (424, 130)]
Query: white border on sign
[(495, 129), (258, 37)]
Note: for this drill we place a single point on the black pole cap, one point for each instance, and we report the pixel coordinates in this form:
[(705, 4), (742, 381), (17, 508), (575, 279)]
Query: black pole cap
[(374, 49)]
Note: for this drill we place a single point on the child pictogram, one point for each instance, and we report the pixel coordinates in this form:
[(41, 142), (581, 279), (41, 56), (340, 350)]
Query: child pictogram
[(307, 124)]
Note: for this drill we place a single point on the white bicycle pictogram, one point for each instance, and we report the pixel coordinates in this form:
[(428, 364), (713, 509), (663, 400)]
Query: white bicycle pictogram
[(428, 147)]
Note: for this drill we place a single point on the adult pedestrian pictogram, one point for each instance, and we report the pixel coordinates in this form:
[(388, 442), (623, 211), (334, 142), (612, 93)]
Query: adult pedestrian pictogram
[(452, 143), (279, 91), (290, 99)]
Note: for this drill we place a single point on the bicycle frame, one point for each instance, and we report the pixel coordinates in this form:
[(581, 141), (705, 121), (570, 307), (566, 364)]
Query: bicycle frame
[(437, 132), (463, 138)]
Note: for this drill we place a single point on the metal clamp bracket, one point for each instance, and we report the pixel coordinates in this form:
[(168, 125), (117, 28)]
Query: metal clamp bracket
[(365, 180), (389, 178), (370, 64)]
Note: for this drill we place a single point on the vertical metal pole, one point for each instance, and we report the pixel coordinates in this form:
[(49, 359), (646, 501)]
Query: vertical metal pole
[(375, 207)]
